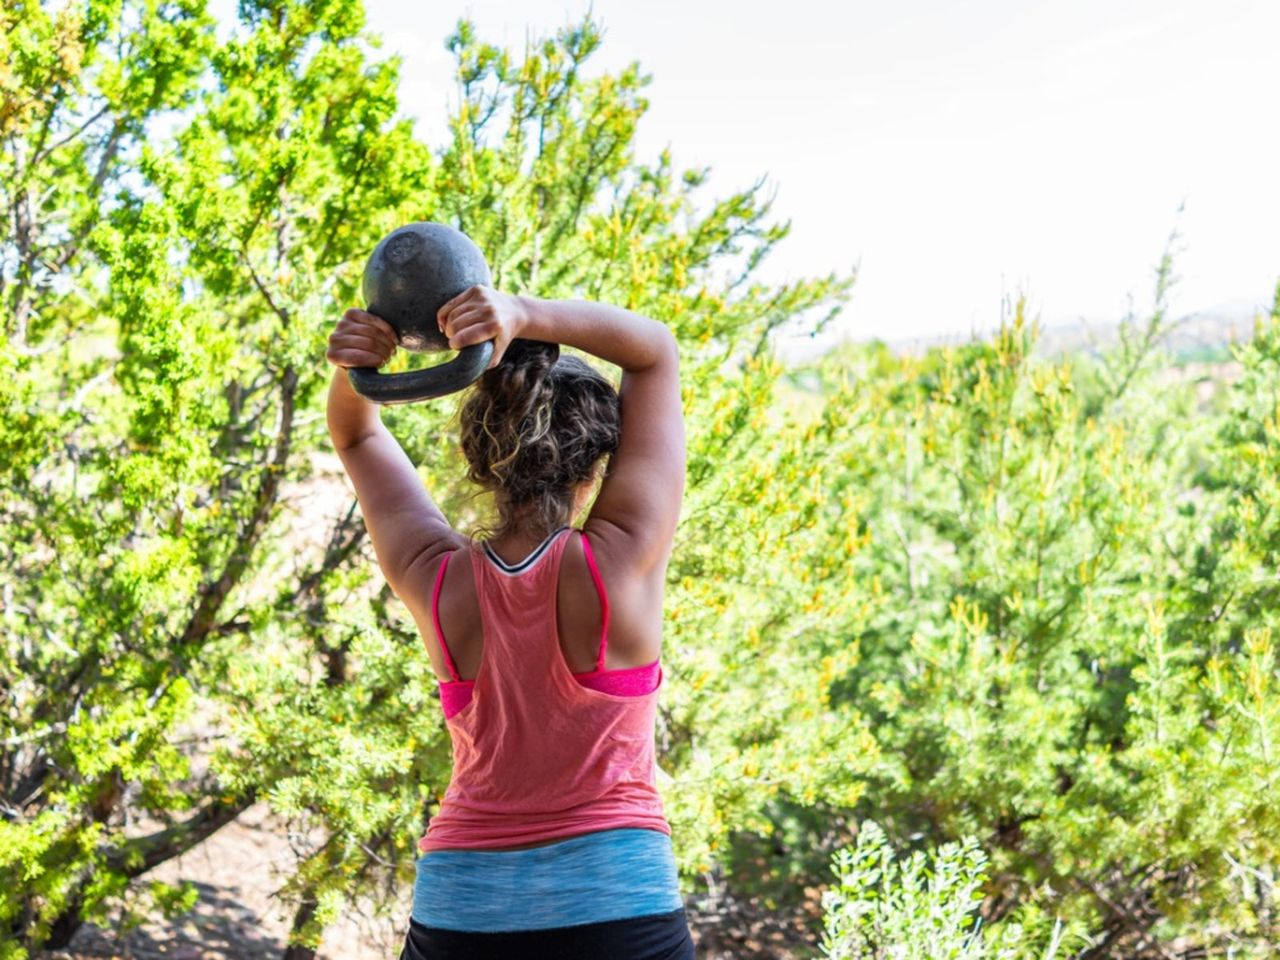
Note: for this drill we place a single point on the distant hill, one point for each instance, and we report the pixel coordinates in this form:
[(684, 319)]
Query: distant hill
[(1196, 337), (1201, 337)]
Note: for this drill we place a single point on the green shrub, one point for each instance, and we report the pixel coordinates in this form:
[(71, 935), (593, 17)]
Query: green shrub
[(921, 907)]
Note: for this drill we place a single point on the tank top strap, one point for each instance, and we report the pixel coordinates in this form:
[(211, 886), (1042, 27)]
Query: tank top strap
[(435, 617), (604, 599)]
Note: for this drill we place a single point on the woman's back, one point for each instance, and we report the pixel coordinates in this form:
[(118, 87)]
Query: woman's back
[(635, 609), (537, 753)]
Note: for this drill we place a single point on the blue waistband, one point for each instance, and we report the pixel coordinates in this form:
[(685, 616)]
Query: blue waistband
[(606, 875)]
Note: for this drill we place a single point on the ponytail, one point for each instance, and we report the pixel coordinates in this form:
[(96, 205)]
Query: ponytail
[(534, 429)]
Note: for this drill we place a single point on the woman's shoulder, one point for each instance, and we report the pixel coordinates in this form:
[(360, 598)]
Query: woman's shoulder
[(626, 574), (634, 593), (621, 547)]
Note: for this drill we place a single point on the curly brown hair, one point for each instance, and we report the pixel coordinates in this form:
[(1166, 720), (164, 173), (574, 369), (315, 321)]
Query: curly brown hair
[(534, 430)]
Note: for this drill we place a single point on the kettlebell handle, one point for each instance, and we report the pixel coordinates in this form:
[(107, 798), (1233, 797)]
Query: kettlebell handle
[(425, 384)]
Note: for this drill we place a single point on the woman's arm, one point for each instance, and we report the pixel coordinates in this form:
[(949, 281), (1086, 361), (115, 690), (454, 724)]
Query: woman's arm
[(615, 334), (406, 527), (621, 337), (350, 416), (638, 506), (358, 340)]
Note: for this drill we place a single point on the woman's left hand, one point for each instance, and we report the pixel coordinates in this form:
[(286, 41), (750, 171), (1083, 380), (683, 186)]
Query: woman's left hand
[(361, 340)]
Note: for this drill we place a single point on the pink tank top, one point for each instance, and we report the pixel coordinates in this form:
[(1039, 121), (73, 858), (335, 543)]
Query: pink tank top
[(539, 752)]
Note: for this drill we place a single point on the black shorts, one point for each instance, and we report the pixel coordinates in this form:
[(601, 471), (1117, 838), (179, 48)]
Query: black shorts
[(662, 936)]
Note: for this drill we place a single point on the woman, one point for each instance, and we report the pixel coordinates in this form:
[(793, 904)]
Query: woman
[(550, 840)]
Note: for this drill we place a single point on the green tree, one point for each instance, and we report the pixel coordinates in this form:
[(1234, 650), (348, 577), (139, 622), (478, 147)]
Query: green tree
[(182, 636)]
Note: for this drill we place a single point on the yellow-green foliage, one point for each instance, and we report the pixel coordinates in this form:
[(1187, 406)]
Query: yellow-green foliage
[(969, 594), (1078, 666)]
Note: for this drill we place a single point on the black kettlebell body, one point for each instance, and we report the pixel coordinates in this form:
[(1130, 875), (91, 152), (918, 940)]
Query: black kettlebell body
[(411, 274)]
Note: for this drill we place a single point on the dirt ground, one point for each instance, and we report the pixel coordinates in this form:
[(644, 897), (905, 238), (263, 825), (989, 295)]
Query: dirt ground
[(237, 916)]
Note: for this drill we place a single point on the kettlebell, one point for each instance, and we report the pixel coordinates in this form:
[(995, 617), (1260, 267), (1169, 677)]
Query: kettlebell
[(411, 274)]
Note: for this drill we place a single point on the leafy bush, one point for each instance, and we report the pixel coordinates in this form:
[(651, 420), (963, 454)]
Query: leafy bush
[(1078, 665), (968, 595), (923, 907)]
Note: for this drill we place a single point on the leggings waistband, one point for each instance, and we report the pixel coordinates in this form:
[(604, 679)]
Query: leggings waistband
[(596, 877)]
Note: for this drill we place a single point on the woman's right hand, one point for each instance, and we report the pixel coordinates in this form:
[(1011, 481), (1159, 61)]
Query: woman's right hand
[(483, 313)]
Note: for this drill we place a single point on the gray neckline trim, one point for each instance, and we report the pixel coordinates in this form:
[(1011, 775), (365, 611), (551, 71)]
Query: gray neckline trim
[(514, 569)]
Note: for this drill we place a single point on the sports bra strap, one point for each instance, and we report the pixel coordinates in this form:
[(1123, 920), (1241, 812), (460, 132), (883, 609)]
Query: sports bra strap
[(435, 616), (604, 600)]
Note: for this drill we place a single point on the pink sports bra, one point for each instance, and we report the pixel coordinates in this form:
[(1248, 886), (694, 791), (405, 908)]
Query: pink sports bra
[(626, 682)]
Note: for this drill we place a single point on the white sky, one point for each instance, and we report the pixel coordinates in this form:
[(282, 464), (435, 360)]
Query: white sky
[(960, 152)]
